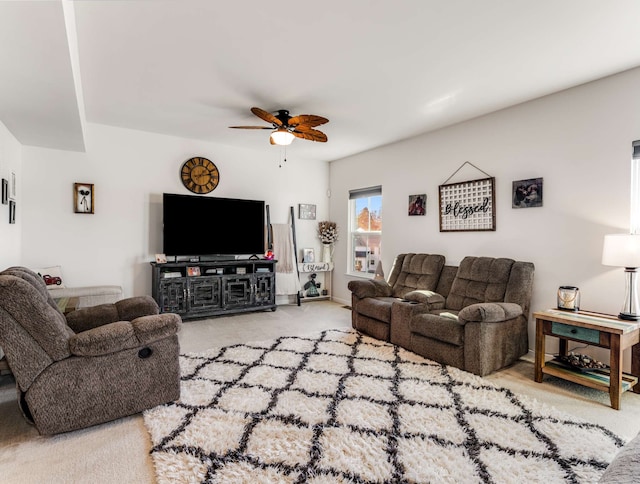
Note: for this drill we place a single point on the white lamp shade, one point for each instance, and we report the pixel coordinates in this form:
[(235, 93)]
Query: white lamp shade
[(282, 137), (621, 250)]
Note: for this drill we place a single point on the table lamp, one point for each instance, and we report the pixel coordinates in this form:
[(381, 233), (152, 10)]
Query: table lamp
[(623, 250)]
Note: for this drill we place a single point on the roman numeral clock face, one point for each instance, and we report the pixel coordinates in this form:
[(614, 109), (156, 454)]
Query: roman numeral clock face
[(199, 175)]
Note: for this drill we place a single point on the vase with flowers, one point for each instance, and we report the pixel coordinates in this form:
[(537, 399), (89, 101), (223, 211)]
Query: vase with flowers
[(328, 235)]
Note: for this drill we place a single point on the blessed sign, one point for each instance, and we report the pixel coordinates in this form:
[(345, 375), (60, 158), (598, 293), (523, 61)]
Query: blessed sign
[(468, 206)]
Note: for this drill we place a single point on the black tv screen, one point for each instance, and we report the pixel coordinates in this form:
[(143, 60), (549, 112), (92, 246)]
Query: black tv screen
[(197, 225)]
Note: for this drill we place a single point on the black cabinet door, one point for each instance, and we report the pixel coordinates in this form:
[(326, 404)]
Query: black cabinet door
[(204, 293), (172, 296), (237, 291), (265, 292)]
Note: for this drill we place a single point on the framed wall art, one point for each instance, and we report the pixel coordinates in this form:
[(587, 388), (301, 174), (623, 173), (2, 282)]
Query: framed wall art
[(12, 186), (418, 204), (306, 211), (83, 197), (5, 191), (12, 211), (468, 206), (527, 193)]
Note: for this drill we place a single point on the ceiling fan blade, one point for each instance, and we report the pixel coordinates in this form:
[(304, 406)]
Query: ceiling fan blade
[(310, 120), (268, 117), (252, 127), (310, 134)]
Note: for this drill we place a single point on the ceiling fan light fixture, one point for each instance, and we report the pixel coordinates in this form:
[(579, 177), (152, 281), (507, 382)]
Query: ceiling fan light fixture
[(282, 137)]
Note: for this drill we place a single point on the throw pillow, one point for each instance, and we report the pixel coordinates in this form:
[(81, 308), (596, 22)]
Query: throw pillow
[(52, 276)]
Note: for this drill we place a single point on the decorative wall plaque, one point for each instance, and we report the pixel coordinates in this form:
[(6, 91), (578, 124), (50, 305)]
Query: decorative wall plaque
[(306, 211), (468, 206)]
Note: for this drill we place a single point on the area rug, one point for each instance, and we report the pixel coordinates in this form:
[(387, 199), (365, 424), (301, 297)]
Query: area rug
[(340, 407)]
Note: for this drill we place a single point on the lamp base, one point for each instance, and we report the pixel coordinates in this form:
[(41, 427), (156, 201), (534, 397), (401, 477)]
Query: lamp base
[(629, 317)]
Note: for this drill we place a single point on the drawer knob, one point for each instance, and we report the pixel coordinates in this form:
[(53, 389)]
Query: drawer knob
[(574, 331)]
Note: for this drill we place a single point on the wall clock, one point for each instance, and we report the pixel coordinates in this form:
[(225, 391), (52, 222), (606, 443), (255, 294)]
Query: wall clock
[(199, 175)]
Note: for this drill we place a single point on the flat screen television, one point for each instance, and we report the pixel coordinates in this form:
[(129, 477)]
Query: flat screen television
[(212, 226)]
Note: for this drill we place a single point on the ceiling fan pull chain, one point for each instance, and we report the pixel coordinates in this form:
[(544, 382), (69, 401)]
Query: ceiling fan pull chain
[(283, 156)]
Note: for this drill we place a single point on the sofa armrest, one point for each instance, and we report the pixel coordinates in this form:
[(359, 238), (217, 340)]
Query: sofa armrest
[(432, 299), (127, 309), (135, 307), (156, 327), (122, 335), (370, 288), (489, 312)]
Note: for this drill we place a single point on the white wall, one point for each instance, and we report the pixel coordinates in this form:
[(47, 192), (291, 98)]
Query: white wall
[(130, 170), (578, 140), (10, 234)]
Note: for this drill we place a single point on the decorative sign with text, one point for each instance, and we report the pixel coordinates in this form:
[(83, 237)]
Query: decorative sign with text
[(468, 206)]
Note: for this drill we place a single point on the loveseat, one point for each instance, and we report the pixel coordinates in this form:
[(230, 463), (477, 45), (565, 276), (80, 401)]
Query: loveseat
[(473, 317)]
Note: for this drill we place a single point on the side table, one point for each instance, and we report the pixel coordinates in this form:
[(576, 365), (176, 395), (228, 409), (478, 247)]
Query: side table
[(596, 329)]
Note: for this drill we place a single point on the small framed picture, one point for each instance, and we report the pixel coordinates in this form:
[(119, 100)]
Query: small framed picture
[(5, 191), (161, 258), (12, 186), (306, 211), (308, 255), (527, 193), (83, 197), (193, 271), (418, 204), (12, 211)]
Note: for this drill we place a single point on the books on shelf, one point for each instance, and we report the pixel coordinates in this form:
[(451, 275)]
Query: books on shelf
[(171, 274)]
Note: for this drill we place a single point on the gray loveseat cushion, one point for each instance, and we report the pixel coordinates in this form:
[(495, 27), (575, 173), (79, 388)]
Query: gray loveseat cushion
[(625, 467)]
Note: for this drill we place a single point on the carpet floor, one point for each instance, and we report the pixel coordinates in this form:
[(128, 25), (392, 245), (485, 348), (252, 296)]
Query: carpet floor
[(338, 406)]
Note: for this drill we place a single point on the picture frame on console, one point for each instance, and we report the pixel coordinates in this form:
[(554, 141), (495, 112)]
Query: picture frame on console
[(193, 271), (308, 255)]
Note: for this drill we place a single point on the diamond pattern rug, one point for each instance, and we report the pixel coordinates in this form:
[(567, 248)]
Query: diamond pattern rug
[(340, 407)]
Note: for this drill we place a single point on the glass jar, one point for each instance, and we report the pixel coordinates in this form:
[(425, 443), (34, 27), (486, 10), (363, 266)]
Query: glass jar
[(569, 298)]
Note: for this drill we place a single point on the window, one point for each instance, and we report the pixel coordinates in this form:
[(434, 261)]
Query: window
[(365, 228)]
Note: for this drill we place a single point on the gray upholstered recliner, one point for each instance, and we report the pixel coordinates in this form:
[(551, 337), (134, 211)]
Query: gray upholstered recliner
[(480, 323), (377, 304), (97, 364)]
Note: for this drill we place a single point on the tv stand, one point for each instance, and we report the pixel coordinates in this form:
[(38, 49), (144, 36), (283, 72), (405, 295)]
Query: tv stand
[(214, 288)]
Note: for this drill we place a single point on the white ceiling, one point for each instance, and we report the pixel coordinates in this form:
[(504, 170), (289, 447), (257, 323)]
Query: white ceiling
[(381, 71)]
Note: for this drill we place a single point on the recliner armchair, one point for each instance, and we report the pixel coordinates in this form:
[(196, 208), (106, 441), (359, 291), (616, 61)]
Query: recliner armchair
[(377, 304), (98, 364)]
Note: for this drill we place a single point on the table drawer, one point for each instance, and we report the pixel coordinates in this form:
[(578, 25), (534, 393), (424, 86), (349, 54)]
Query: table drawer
[(576, 332)]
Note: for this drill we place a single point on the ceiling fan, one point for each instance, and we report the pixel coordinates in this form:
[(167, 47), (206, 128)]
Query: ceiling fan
[(285, 128)]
